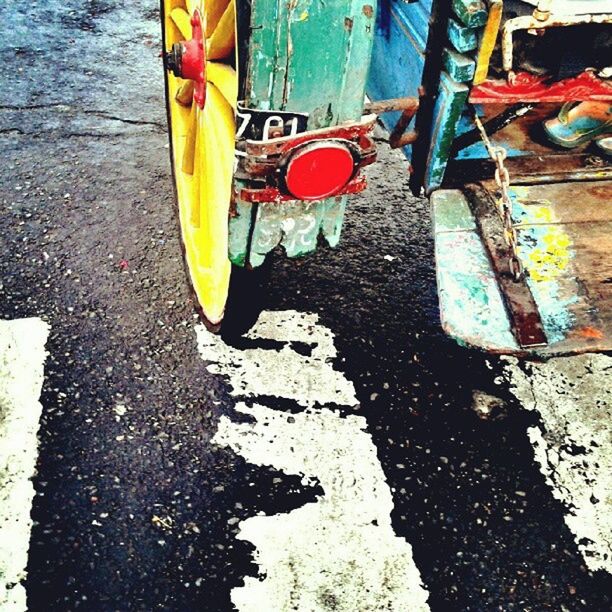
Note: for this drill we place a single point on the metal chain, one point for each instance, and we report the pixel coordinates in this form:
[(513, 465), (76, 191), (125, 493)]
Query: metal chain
[(504, 203)]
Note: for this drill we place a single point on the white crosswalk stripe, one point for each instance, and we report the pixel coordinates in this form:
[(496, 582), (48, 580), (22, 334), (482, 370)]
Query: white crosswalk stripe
[(22, 356), (572, 445), (341, 552)]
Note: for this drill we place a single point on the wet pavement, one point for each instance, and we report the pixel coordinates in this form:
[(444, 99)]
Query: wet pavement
[(142, 492)]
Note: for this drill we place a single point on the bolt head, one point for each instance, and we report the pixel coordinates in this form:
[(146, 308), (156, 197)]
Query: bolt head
[(173, 59)]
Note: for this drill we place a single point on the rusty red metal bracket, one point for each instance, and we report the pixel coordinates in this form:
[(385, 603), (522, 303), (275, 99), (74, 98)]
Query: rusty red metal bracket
[(273, 194), (408, 107)]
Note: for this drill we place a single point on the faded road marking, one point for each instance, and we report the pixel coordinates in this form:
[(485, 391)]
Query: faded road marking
[(307, 379), (22, 356), (339, 553), (572, 445)]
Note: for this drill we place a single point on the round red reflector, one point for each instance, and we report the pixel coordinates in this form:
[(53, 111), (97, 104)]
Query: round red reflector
[(319, 170)]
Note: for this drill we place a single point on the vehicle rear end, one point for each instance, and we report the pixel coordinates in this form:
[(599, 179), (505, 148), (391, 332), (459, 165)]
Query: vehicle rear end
[(522, 223)]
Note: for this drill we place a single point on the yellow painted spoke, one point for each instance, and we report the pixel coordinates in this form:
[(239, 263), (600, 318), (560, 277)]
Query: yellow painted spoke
[(181, 19), (225, 79), (184, 95), (214, 12), (190, 140), (223, 40)]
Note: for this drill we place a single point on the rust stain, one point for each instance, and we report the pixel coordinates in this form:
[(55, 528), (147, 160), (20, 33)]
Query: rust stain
[(348, 24), (368, 11), (590, 332), (474, 7)]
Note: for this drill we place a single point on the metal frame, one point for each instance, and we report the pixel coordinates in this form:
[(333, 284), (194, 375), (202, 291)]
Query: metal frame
[(541, 19)]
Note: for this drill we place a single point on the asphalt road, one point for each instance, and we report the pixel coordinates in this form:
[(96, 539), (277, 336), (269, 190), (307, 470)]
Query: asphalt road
[(142, 491)]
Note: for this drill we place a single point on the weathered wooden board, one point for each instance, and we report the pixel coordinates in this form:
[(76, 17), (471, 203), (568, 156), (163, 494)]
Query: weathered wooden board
[(449, 104), (311, 57), (522, 309), (565, 238)]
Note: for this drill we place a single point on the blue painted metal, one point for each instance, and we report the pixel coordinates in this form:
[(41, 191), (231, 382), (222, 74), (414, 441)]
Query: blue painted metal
[(397, 67), (478, 149), (398, 56)]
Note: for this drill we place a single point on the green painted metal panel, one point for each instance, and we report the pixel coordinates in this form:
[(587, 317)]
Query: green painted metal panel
[(462, 38), (452, 211), (451, 100), (305, 56), (459, 67), (310, 56), (239, 233), (295, 226), (472, 13)]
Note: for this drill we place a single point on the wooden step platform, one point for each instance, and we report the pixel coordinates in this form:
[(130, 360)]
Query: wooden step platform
[(565, 238)]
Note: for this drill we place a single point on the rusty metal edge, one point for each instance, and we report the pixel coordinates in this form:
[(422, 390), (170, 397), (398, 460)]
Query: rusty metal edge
[(522, 309)]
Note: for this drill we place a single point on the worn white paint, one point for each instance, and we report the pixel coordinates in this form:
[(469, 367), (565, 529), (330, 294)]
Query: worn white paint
[(340, 552), (281, 373), (573, 442), (22, 355)]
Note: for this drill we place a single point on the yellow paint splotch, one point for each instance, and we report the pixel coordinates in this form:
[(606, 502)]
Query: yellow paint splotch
[(549, 257)]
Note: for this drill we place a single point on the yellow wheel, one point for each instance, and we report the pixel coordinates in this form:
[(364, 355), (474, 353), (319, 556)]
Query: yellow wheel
[(201, 104)]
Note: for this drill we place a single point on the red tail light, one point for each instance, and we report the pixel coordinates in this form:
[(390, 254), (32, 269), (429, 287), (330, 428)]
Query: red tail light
[(319, 170)]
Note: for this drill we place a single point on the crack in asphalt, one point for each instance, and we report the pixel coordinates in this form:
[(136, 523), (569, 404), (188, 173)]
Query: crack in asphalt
[(67, 108), (39, 134), (104, 115)]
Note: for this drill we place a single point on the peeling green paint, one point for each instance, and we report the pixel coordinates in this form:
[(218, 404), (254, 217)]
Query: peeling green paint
[(472, 13), (462, 38), (459, 67), (306, 56)]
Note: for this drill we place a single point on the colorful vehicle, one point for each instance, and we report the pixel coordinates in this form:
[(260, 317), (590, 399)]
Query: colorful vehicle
[(270, 130)]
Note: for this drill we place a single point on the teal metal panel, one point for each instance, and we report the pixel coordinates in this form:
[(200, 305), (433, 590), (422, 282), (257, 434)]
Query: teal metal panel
[(472, 309), (472, 13)]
